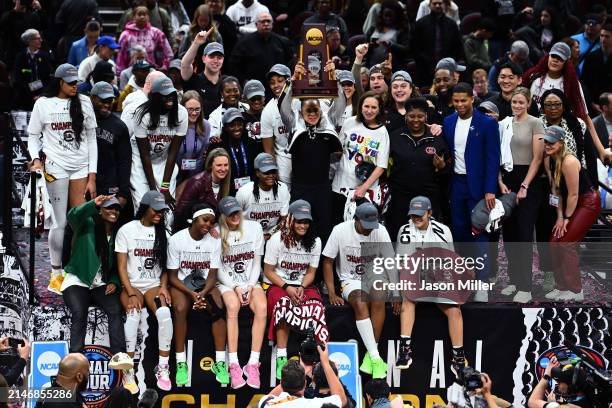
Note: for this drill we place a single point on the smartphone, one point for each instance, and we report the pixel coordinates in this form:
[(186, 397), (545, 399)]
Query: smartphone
[(14, 343)]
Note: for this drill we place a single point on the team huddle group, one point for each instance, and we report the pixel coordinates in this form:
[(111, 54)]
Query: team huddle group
[(254, 193)]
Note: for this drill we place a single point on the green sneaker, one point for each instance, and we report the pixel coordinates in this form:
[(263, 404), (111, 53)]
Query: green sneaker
[(280, 363), (182, 375), (220, 371), (366, 365), (379, 368)]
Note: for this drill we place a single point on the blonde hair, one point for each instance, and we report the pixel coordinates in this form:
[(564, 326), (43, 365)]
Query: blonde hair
[(521, 90), (210, 158), (225, 232), (560, 157)]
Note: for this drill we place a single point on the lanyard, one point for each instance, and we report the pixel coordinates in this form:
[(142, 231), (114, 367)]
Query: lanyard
[(195, 145), (244, 159), (34, 66)]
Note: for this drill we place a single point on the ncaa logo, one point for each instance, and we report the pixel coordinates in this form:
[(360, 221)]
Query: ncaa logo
[(343, 363), (239, 267), (149, 263), (48, 363)]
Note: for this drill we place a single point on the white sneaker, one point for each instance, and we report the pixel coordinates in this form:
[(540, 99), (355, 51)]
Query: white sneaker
[(553, 294), (481, 296), (522, 297), (121, 361), (569, 296), (129, 382), (508, 290)]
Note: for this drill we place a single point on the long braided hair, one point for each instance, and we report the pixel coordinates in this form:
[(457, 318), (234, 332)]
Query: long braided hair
[(160, 246), (101, 245), (256, 190)]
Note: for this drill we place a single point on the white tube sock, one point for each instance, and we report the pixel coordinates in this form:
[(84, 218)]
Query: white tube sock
[(366, 331)]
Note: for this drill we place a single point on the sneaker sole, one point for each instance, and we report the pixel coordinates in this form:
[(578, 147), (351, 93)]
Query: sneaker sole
[(405, 366), (121, 366), (134, 391), (365, 371), (255, 386), (239, 386), (164, 389)]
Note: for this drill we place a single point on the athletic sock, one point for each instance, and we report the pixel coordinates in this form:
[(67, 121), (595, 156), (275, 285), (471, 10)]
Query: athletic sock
[(281, 352), (366, 331), (181, 357), (233, 358), (254, 357), (405, 341), (219, 356), (164, 360)]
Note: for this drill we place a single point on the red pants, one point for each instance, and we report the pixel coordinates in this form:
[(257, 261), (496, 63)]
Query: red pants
[(563, 250)]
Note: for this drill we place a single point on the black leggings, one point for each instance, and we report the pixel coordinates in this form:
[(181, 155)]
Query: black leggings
[(78, 299)]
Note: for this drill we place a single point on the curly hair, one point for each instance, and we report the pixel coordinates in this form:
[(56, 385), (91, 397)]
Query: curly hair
[(290, 240)]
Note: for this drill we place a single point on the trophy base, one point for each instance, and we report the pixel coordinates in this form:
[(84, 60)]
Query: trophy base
[(321, 93)]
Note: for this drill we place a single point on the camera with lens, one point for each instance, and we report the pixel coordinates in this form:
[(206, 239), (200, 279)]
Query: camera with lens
[(308, 348), (469, 378)]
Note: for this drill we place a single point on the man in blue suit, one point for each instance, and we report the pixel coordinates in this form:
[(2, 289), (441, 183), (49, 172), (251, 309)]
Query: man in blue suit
[(473, 140)]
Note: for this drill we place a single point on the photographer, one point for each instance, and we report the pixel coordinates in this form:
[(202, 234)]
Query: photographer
[(320, 388), (564, 392), (377, 393), (290, 392), (23, 350), (473, 389)]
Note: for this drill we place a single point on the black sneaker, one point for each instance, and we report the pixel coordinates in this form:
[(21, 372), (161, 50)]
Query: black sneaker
[(404, 358)]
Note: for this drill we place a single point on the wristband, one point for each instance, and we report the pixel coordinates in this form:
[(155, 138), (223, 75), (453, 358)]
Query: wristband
[(566, 217), (164, 189), (285, 286), (546, 377), (165, 184), (524, 186)]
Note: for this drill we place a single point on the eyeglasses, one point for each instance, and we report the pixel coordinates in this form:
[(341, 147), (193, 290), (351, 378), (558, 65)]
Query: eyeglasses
[(554, 105), (194, 110)]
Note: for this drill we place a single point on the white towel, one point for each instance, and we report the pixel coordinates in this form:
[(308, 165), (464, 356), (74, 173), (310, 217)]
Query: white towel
[(43, 203), (505, 134)]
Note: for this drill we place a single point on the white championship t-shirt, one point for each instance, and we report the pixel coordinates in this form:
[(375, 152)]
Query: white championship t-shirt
[(161, 137), (461, 135), (267, 210), (51, 118), (190, 256), (360, 143), (137, 241), (216, 116), (291, 264), (344, 244), (237, 262)]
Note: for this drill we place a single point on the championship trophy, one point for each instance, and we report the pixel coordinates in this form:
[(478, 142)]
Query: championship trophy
[(314, 53)]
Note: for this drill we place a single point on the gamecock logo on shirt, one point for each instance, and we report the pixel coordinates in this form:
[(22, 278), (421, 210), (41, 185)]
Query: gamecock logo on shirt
[(239, 267), (430, 150), (68, 136), (360, 269), (149, 263), (158, 148)]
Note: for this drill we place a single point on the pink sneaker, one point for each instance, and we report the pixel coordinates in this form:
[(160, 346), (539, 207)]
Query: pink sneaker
[(162, 372), (252, 374), (236, 376)]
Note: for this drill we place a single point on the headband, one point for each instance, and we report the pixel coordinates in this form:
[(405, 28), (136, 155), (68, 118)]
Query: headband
[(203, 211)]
